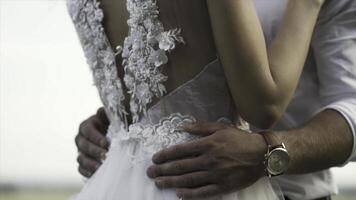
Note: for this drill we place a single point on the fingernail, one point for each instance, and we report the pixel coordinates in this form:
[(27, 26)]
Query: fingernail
[(179, 195), (103, 156), (88, 173), (155, 158), (150, 172), (97, 166), (103, 143), (159, 183)]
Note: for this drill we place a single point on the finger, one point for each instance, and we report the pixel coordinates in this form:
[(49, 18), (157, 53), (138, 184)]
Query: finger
[(177, 167), (180, 151), (89, 130), (100, 126), (87, 147), (195, 179), (87, 164), (204, 128), (102, 116), (84, 172), (100, 121), (199, 192)]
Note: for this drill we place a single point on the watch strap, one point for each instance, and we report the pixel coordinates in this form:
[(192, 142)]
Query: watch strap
[(270, 139)]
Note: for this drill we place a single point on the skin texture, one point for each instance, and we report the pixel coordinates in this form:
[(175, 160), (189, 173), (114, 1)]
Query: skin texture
[(239, 37), (236, 164), (92, 143), (323, 142), (227, 159)]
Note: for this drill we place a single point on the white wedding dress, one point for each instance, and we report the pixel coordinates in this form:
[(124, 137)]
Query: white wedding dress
[(122, 175)]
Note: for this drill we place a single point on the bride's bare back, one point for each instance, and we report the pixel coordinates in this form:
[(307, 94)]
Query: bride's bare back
[(193, 19)]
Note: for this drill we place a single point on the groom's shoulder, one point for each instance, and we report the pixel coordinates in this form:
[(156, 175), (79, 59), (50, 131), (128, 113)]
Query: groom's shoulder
[(334, 8)]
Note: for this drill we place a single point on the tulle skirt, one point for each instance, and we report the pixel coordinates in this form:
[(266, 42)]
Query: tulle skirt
[(123, 177)]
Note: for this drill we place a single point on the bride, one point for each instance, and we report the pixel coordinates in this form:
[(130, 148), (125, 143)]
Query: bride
[(219, 69)]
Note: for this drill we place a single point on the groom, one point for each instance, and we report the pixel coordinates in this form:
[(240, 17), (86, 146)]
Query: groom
[(316, 132)]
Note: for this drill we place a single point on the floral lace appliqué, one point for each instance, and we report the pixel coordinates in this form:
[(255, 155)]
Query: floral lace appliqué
[(87, 17), (152, 138), (144, 52)]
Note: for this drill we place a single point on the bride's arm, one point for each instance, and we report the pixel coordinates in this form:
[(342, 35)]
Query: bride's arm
[(262, 80)]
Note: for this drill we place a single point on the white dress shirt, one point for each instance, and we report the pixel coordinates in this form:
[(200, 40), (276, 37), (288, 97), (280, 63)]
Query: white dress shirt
[(328, 81)]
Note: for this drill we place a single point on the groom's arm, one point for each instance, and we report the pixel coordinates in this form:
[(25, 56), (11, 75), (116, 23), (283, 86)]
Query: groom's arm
[(323, 142), (228, 159), (327, 139)]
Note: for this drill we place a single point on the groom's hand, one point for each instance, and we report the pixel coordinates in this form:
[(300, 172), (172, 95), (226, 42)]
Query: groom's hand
[(92, 143), (226, 159)]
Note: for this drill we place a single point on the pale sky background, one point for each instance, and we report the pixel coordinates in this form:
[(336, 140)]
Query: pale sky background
[(46, 91)]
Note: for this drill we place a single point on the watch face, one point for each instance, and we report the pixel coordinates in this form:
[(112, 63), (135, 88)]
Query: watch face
[(278, 161)]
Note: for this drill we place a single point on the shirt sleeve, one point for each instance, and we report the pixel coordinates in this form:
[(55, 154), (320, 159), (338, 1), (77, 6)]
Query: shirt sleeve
[(334, 49)]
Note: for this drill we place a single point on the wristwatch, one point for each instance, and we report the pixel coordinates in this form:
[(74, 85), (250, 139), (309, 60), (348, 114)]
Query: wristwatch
[(277, 158)]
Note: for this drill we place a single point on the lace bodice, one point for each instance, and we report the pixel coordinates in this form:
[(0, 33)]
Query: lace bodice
[(143, 53), (205, 97)]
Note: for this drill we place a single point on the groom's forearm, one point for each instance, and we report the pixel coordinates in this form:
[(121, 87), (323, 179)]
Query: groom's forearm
[(323, 142)]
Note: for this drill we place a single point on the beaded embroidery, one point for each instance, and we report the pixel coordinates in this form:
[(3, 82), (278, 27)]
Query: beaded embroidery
[(87, 17), (144, 52)]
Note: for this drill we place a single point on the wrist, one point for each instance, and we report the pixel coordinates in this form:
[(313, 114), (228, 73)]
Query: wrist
[(276, 157), (261, 149)]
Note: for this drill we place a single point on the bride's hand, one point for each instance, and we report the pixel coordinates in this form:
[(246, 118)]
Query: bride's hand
[(226, 159), (92, 143)]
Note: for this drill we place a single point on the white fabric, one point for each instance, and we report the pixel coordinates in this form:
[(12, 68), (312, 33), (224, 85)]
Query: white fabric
[(123, 173), (119, 179), (328, 82)]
